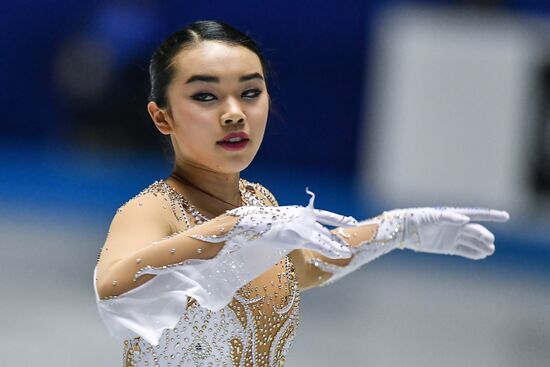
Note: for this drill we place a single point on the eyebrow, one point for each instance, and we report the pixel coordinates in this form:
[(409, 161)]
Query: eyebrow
[(214, 79)]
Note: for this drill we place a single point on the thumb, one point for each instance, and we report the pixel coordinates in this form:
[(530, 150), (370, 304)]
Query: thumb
[(454, 219)]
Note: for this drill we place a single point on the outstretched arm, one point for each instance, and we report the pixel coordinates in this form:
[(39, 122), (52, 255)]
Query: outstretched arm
[(141, 242), (434, 230), (307, 263), (145, 275)]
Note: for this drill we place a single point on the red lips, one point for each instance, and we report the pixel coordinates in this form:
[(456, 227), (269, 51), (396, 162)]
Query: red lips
[(240, 134), (234, 141)]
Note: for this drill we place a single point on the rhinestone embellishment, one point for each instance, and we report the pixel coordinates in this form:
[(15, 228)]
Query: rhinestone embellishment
[(254, 330)]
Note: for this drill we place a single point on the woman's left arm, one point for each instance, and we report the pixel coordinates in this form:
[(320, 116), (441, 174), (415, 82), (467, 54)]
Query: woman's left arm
[(443, 230), (307, 263)]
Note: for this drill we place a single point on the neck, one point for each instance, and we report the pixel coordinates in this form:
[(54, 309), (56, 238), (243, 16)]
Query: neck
[(223, 188)]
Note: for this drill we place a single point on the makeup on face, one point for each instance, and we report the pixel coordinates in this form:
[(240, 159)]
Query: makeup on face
[(234, 141), (219, 105)]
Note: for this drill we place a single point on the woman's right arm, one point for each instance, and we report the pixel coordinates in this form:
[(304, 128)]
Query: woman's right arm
[(142, 235)]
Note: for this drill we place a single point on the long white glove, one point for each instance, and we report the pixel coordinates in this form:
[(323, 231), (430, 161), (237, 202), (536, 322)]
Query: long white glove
[(443, 230)]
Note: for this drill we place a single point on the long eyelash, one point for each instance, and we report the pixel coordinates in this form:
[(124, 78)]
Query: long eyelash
[(210, 97), (256, 93), (197, 97)]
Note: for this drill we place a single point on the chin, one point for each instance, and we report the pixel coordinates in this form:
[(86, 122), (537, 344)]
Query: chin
[(235, 166)]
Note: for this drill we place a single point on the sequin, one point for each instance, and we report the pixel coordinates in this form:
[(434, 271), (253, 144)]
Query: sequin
[(363, 252), (255, 330)]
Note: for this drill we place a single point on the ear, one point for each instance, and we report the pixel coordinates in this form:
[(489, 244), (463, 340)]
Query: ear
[(160, 118)]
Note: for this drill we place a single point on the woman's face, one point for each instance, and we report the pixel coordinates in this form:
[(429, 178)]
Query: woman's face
[(218, 105)]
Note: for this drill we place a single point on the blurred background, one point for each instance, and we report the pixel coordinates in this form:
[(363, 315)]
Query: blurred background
[(377, 105)]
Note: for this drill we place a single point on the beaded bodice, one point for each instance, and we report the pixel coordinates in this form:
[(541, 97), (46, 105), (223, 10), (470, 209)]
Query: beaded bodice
[(254, 330)]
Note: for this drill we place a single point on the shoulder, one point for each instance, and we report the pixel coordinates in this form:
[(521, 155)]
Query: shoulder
[(156, 194), (156, 202), (144, 218), (260, 192)]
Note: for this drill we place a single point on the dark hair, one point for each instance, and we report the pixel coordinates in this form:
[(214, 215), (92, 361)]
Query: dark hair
[(161, 70)]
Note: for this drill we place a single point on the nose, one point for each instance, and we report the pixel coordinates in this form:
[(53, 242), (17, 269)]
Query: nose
[(233, 114)]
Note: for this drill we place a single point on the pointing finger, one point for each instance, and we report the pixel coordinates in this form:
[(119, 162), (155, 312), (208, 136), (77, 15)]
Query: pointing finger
[(482, 214), (453, 218)]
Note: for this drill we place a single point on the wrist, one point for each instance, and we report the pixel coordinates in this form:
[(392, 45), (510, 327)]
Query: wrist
[(356, 236), (389, 229)]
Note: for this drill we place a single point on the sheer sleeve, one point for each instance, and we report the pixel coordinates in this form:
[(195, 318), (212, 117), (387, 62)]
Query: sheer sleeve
[(146, 273), (133, 297), (367, 241)]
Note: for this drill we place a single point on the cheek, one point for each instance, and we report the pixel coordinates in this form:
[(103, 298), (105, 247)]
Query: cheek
[(194, 132), (190, 113), (258, 116), (192, 122)]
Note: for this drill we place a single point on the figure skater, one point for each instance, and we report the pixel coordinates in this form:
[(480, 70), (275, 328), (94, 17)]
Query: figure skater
[(204, 268)]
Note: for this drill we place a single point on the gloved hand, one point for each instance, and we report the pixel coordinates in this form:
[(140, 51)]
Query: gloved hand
[(443, 230), (286, 227)]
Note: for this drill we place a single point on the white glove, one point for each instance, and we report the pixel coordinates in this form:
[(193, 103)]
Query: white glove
[(287, 228), (434, 230), (443, 230)]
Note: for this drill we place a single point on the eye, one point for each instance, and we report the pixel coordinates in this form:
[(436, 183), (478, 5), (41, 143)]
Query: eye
[(251, 93), (203, 97)]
